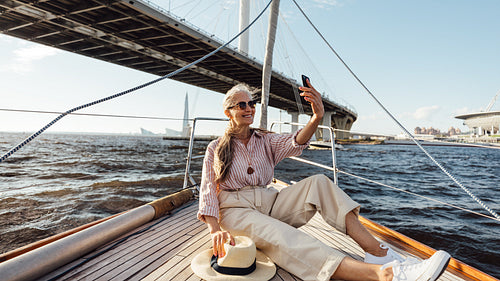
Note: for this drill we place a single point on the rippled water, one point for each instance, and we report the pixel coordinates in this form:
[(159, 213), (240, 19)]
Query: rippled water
[(61, 181)]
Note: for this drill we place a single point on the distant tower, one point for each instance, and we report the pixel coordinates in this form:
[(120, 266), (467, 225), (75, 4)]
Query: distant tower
[(186, 129)]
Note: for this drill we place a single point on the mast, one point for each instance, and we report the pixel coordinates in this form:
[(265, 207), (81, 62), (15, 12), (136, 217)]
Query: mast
[(268, 62)]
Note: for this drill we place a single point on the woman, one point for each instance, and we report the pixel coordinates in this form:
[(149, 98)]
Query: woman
[(236, 199)]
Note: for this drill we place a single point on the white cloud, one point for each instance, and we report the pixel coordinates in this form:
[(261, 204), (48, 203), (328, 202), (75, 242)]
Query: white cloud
[(24, 58), (460, 111), (5, 39), (326, 3), (288, 14), (34, 53), (425, 113), (228, 4), (372, 117)]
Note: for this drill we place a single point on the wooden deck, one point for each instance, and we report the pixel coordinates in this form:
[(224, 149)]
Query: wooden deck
[(163, 249)]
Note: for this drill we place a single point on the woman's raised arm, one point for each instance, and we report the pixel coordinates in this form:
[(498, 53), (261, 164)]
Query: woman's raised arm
[(314, 97)]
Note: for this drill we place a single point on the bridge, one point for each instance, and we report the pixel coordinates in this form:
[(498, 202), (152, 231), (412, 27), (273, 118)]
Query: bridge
[(141, 36)]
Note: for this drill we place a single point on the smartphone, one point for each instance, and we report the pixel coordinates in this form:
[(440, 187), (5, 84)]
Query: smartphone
[(304, 81)]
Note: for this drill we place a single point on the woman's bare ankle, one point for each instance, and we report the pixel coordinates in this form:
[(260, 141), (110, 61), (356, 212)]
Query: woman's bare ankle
[(378, 251), (386, 274)]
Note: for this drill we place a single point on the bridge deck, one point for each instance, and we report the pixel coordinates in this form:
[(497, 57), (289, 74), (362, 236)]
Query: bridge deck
[(139, 36)]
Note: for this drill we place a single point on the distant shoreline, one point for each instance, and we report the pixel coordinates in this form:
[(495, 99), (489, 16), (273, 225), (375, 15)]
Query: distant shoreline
[(424, 143)]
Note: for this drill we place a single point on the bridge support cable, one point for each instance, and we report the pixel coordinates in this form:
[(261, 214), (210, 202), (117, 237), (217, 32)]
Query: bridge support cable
[(36, 134), (397, 122)]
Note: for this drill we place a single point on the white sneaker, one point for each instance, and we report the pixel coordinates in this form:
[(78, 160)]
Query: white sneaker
[(391, 256), (427, 270)]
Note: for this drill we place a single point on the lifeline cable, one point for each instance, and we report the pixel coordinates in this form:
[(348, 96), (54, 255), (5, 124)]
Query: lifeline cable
[(389, 186), (96, 114), (33, 136), (397, 122)]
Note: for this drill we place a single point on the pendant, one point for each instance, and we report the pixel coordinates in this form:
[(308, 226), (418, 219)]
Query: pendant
[(250, 170)]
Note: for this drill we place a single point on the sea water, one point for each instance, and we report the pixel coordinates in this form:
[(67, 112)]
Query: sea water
[(60, 181)]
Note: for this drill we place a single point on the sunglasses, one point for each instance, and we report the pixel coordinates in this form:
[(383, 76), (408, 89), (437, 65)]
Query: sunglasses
[(243, 105)]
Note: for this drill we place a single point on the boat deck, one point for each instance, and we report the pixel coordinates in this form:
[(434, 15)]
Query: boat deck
[(163, 249)]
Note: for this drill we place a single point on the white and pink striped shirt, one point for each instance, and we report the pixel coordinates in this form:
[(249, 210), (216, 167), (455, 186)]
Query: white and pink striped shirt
[(263, 152)]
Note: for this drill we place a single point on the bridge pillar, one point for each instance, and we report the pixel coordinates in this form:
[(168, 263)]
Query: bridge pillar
[(324, 134), (342, 123), (243, 42), (295, 119)]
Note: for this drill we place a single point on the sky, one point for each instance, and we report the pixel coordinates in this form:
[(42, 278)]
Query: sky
[(425, 61)]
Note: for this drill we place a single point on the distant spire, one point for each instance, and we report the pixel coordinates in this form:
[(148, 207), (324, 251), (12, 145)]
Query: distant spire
[(186, 129)]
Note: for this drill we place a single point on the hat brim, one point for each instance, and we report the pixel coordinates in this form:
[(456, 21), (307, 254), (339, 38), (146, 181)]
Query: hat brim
[(200, 265)]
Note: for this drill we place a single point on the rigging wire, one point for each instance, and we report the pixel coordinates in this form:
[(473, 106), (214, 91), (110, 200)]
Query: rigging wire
[(389, 186), (397, 122), (96, 114), (33, 136), (418, 195)]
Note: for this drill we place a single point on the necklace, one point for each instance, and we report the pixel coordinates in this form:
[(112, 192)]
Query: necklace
[(250, 170)]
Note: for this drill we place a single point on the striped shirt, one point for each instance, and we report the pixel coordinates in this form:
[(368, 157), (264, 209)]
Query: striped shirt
[(263, 152)]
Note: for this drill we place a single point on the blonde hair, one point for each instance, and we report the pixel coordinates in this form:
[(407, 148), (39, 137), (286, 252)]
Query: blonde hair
[(224, 150), (229, 97)]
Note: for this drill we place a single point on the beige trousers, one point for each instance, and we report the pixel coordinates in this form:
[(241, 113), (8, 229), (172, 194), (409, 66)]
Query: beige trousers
[(270, 218)]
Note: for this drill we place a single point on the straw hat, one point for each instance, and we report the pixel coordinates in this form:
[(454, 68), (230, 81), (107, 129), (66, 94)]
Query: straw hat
[(241, 262)]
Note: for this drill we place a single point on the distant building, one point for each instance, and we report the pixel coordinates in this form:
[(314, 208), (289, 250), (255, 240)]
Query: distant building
[(145, 132), (482, 123), (454, 131), (172, 133), (425, 131), (433, 132)]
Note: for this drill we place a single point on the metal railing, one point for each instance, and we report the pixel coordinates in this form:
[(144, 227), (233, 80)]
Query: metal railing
[(187, 175), (190, 150), (332, 139), (334, 167)]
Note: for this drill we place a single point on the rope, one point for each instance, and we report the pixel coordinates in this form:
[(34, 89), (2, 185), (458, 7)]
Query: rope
[(397, 122), (418, 195), (386, 185), (33, 136)]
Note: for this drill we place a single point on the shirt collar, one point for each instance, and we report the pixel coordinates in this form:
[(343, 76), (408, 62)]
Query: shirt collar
[(257, 133)]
